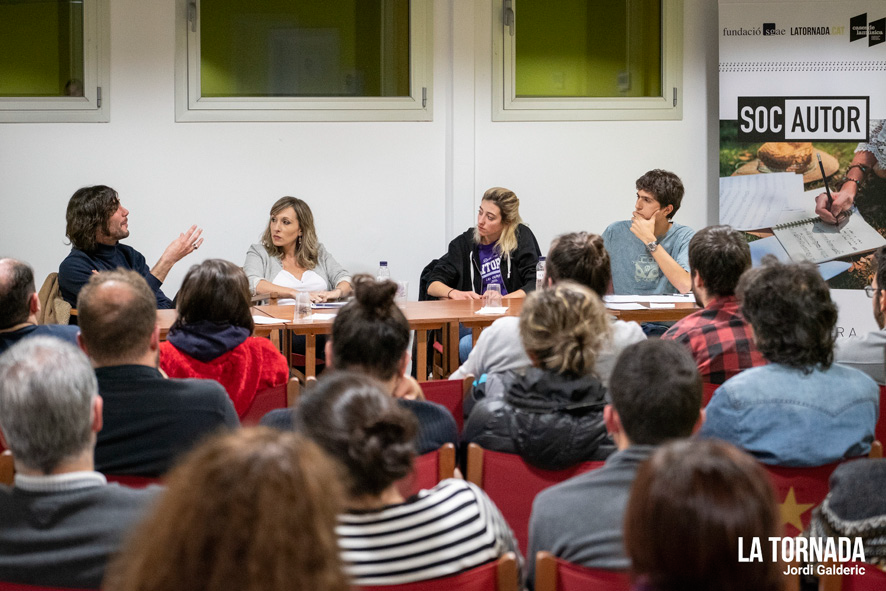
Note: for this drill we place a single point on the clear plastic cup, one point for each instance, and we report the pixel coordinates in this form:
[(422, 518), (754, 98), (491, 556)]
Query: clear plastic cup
[(492, 296), (302, 306)]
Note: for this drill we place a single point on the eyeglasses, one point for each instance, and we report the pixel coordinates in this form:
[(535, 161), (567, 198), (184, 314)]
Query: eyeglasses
[(870, 290)]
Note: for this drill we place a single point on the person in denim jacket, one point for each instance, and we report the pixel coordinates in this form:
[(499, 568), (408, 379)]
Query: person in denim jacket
[(802, 409)]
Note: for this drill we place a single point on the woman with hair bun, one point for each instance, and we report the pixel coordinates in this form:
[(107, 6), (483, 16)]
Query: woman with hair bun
[(253, 510), (371, 335), (552, 412), (387, 539)]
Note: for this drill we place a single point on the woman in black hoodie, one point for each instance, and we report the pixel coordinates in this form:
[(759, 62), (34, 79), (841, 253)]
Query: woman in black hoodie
[(552, 412)]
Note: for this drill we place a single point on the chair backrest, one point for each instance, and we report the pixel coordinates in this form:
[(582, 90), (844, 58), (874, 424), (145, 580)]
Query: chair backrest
[(873, 578), (799, 490), (880, 430), (501, 575), (707, 392), (132, 481), (264, 402), (429, 469), (555, 574), (7, 468), (512, 484), (53, 309), (450, 394)]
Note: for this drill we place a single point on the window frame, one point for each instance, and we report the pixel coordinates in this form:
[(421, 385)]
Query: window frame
[(506, 106), (190, 106), (94, 105)]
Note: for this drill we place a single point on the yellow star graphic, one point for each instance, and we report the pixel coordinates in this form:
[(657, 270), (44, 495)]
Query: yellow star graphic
[(791, 510)]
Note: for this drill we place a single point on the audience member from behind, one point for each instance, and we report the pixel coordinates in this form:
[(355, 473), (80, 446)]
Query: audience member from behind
[(551, 413), (96, 223), (371, 335), (20, 307), (579, 257), (855, 508), (211, 337), (655, 397), (149, 419), (690, 505), (290, 259), (649, 251), (438, 532), (61, 521), (253, 511), (718, 336), (866, 353), (801, 409)]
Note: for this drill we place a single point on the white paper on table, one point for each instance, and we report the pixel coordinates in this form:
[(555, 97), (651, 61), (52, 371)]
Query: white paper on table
[(266, 320), (658, 306), (625, 306), (658, 299), (322, 316), (492, 310), (755, 201)]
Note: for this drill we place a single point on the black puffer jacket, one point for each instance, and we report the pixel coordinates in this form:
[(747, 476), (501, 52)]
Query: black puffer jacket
[(551, 420)]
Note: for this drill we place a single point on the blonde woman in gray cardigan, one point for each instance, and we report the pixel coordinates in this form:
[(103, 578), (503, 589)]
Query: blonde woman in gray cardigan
[(290, 260)]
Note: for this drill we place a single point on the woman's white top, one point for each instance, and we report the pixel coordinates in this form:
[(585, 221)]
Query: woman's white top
[(309, 281)]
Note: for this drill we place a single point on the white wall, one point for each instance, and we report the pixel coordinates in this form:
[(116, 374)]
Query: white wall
[(397, 191)]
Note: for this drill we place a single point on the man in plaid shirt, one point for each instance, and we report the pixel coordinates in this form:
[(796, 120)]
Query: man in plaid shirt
[(718, 337)]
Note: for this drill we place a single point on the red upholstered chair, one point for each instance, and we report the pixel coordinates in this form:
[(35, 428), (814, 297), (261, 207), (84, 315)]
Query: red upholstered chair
[(707, 392), (873, 579), (451, 394), (501, 575), (512, 484), (554, 574), (798, 491), (132, 481), (429, 469), (22, 587), (269, 399), (880, 430)]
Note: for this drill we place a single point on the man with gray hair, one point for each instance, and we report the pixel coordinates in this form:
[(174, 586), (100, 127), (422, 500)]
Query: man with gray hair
[(61, 520), (149, 420)]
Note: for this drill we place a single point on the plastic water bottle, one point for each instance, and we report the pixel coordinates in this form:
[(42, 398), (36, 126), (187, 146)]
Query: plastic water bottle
[(384, 274), (540, 273)]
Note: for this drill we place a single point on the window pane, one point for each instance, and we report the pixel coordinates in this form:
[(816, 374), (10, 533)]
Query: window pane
[(304, 48), (588, 48), (41, 48)]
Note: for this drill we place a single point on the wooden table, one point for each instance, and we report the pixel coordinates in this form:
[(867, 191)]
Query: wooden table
[(422, 317)]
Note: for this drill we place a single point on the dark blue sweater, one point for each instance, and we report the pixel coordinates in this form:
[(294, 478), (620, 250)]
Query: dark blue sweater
[(78, 266)]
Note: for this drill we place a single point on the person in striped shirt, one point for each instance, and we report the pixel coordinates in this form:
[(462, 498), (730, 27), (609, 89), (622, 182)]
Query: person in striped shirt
[(387, 539)]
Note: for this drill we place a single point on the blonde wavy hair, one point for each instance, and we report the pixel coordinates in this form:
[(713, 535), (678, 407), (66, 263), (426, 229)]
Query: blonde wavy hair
[(306, 245), (564, 327), (509, 205)]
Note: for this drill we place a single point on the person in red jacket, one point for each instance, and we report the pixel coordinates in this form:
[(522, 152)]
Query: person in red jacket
[(211, 337)]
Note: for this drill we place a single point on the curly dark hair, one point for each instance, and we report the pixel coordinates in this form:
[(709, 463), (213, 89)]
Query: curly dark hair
[(790, 309), (350, 416), (719, 255), (89, 209), (666, 187)]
